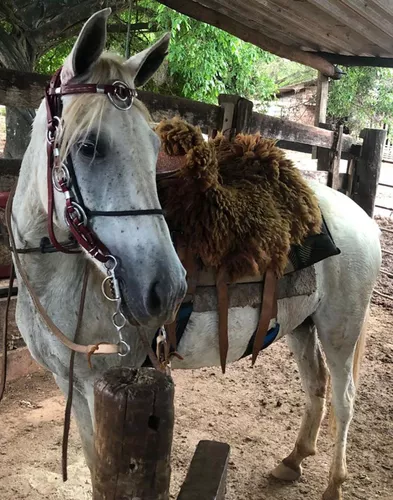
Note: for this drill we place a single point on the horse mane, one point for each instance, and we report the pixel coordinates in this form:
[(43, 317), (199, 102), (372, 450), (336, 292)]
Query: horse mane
[(87, 110)]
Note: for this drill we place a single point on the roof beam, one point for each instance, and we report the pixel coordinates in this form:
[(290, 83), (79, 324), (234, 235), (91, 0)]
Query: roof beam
[(201, 13), (380, 62)]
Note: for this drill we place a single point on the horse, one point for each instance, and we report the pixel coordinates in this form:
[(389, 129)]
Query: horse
[(107, 138)]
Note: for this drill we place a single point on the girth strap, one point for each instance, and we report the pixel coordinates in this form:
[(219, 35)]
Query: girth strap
[(268, 311), (223, 310)]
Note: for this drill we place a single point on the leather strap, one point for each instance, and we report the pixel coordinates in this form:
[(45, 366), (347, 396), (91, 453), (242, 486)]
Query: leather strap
[(100, 348), (3, 347), (268, 311), (188, 260), (223, 306), (171, 331), (67, 413)]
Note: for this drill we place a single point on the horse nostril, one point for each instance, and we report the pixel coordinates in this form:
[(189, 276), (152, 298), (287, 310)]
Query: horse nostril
[(154, 300)]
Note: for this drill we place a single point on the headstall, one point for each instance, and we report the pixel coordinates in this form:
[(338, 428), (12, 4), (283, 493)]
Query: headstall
[(61, 177)]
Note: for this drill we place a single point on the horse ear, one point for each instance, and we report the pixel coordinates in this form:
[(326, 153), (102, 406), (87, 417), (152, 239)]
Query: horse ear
[(146, 63), (88, 47)]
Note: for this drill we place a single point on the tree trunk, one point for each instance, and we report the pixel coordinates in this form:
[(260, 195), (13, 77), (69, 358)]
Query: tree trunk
[(18, 123), (17, 53)]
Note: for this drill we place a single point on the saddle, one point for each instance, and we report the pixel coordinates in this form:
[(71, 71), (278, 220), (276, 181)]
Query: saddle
[(238, 212)]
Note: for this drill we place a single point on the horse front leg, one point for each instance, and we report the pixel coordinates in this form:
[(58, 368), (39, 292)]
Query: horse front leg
[(304, 344)]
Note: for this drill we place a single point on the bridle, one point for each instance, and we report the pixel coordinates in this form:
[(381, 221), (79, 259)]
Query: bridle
[(61, 177)]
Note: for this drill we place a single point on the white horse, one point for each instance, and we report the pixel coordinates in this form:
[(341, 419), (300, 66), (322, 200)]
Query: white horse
[(114, 155)]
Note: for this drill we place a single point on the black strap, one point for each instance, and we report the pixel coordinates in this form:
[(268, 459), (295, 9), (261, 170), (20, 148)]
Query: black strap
[(47, 247), (123, 213), (104, 213)]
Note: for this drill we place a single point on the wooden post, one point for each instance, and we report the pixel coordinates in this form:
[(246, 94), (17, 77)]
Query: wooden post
[(334, 169), (133, 434), (368, 168), (323, 155), (236, 116), (322, 99), (321, 109), (206, 477)]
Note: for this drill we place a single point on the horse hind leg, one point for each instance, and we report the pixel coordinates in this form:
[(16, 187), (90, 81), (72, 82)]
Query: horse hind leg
[(304, 344), (343, 348)]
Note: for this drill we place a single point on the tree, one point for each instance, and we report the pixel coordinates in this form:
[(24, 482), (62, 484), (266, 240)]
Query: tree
[(363, 98), (28, 29), (203, 61)]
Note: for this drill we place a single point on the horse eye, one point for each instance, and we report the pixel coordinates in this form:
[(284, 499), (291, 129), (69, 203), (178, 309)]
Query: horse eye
[(89, 149)]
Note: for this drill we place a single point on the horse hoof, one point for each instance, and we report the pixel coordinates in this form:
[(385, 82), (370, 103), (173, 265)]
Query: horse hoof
[(285, 473), (332, 495)]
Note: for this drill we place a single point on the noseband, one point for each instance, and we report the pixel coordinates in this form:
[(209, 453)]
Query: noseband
[(61, 175)]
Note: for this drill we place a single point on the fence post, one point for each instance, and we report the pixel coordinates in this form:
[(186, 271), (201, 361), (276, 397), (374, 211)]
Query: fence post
[(368, 168), (236, 116), (133, 434)]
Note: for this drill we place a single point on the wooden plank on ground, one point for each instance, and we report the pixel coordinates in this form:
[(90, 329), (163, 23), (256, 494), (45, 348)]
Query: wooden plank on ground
[(206, 477)]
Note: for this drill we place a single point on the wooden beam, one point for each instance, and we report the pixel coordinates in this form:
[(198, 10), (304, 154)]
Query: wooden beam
[(206, 477), (321, 99), (205, 14), (277, 128), (362, 24), (334, 170), (236, 114), (26, 90), (134, 418), (379, 62), (197, 113), (10, 166), (368, 168), (20, 89)]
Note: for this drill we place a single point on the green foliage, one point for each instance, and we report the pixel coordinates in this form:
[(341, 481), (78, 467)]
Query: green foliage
[(203, 61), (363, 97), (54, 58)]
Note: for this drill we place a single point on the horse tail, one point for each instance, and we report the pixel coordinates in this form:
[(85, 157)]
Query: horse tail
[(357, 361)]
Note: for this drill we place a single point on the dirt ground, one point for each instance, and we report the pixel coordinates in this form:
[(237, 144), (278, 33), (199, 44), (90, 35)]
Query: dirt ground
[(257, 411)]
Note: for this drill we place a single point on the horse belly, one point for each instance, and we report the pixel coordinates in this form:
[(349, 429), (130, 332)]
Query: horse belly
[(199, 344)]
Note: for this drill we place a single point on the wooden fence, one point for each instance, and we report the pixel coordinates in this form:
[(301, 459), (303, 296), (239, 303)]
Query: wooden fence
[(233, 115)]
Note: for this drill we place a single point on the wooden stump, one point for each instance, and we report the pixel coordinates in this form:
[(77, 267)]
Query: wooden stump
[(133, 435)]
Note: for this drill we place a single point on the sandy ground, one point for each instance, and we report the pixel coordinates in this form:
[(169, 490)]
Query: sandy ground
[(257, 411)]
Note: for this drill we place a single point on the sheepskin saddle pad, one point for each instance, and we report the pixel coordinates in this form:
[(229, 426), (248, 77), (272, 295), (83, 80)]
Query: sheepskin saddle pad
[(241, 217), (239, 205)]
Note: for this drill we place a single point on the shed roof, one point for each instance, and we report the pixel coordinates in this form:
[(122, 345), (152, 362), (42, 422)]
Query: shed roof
[(318, 33)]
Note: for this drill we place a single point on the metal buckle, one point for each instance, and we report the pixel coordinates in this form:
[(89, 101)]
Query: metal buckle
[(77, 213), (53, 129), (61, 173), (126, 348), (122, 94)]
